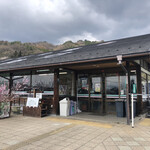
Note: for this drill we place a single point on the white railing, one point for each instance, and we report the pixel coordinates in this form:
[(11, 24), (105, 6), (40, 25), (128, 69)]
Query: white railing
[(132, 106)]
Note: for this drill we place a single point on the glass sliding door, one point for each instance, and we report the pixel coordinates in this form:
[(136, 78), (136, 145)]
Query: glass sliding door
[(95, 94), (89, 93), (83, 92)]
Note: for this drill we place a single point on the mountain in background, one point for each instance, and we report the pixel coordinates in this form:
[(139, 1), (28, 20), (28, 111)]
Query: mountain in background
[(17, 49)]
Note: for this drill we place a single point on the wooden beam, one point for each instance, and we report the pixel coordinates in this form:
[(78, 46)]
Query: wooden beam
[(76, 84), (73, 89), (10, 83), (10, 87), (17, 78), (89, 92), (139, 90), (146, 83), (34, 92), (106, 70), (56, 92), (31, 79), (67, 69), (129, 73), (103, 107), (128, 98), (4, 77), (119, 88)]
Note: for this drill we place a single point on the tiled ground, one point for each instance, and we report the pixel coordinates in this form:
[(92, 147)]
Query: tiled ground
[(54, 133)]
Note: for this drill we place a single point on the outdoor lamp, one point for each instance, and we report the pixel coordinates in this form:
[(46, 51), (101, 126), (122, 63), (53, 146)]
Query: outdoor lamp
[(119, 58)]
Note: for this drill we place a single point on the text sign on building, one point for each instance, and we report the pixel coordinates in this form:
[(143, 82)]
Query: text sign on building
[(39, 95)]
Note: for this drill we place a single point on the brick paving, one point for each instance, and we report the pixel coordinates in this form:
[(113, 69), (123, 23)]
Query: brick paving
[(55, 133)]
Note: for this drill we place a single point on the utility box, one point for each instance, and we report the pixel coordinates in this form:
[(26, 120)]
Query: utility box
[(64, 107)]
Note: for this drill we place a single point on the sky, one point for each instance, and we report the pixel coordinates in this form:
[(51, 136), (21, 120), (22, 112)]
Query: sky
[(57, 21)]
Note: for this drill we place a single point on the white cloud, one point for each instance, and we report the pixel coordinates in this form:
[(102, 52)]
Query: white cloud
[(74, 38), (61, 20)]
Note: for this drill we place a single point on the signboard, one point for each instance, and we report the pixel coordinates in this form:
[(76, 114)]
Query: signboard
[(32, 102), (122, 92), (39, 95)]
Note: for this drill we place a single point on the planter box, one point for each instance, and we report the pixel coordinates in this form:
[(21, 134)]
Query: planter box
[(33, 111), (4, 110)]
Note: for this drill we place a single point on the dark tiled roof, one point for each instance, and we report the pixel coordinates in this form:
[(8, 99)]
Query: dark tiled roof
[(127, 46)]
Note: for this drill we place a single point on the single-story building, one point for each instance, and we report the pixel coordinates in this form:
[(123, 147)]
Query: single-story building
[(91, 75)]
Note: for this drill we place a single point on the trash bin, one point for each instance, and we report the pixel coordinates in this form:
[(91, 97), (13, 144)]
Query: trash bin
[(64, 107), (120, 108), (73, 108)]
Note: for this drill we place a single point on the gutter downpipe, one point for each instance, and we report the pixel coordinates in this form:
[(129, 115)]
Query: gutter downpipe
[(119, 58)]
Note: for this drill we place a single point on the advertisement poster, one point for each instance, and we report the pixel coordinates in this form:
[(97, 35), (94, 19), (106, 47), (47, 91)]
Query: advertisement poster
[(4, 109), (84, 83), (97, 87)]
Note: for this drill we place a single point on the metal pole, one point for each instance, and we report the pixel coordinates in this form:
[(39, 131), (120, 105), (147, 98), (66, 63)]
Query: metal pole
[(132, 110)]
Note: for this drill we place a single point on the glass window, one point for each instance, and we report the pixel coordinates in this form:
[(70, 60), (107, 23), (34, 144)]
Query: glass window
[(112, 85), (3, 80), (132, 84), (83, 85), (65, 83), (122, 85), (96, 86), (21, 79), (43, 82)]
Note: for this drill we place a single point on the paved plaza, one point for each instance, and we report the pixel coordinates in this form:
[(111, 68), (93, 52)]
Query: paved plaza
[(57, 133)]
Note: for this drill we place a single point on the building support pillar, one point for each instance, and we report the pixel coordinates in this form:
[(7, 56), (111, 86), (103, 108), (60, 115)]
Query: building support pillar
[(89, 93), (56, 92), (31, 79), (10, 83), (128, 97), (139, 90), (103, 95), (73, 89), (10, 87)]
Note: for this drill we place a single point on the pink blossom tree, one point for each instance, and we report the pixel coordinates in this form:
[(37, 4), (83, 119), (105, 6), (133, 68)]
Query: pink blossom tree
[(6, 96)]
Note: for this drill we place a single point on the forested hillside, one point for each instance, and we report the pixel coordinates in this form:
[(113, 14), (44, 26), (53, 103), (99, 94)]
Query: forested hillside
[(17, 49)]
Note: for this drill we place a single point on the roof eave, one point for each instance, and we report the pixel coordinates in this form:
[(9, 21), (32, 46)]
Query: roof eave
[(57, 65)]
